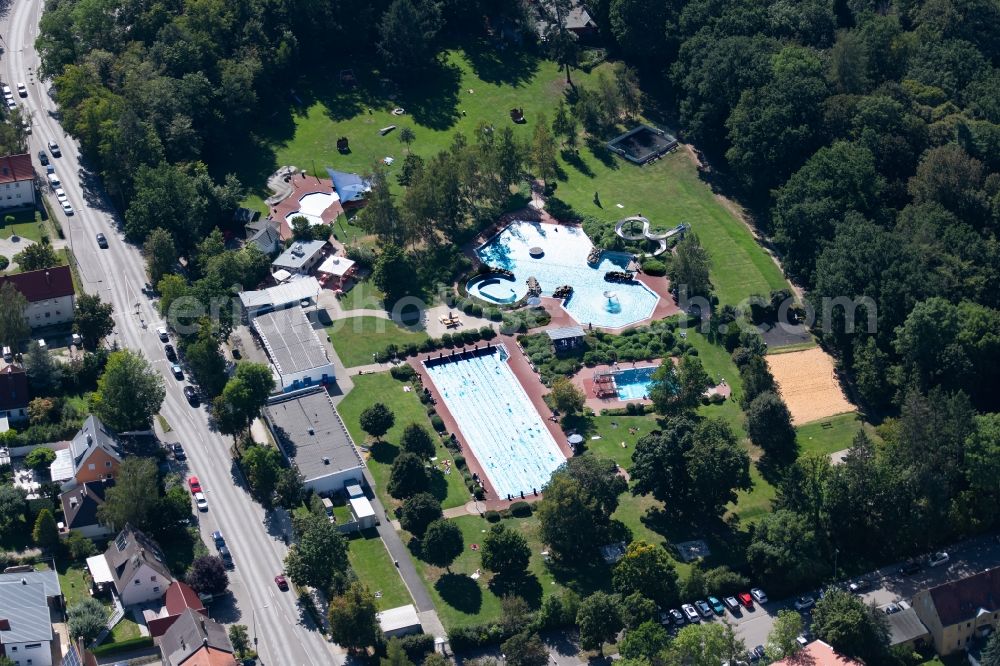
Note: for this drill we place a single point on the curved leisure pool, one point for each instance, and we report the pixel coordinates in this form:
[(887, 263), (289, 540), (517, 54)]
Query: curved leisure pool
[(312, 205), (564, 261)]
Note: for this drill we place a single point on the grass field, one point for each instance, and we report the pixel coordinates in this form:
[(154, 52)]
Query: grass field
[(406, 407), (371, 562), (831, 435), (479, 85), (26, 224), (355, 339)]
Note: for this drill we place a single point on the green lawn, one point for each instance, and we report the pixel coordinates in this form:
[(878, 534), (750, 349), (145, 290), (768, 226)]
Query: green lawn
[(73, 581), (450, 489), (830, 435), (125, 630), (479, 85), (26, 224), (371, 562), (364, 295), (355, 339)]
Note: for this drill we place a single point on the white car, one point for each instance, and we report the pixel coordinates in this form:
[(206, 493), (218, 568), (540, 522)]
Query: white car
[(11, 104), (61, 195), (759, 595), (161, 331), (937, 559), (690, 613), (22, 90), (7, 92), (67, 208), (200, 501), (804, 603)]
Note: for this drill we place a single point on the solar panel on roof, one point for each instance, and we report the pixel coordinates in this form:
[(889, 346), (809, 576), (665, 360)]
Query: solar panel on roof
[(72, 657)]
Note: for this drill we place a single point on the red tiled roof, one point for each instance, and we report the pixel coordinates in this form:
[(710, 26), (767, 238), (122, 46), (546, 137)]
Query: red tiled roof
[(13, 388), (817, 653), (961, 600), (16, 167), (42, 284), (180, 596), (209, 656)]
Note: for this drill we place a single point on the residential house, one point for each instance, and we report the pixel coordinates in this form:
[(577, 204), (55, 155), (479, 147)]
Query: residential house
[(13, 396), (93, 455), (313, 438), (298, 358), (960, 611), (80, 505), (265, 233), (300, 258), (17, 181), (49, 292), (195, 640), (134, 566), (27, 600), (817, 653), (178, 598)]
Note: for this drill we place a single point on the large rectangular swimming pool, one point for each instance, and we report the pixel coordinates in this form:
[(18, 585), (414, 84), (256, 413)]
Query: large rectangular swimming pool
[(498, 420)]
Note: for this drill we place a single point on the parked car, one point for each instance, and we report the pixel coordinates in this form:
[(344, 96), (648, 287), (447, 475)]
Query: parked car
[(192, 396), (102, 242), (200, 501), (732, 604), (910, 567), (61, 195), (67, 208), (746, 600), (43, 158), (937, 559), (11, 104), (161, 331), (281, 582), (758, 595), (219, 540), (677, 616), (858, 586), (892, 608), (703, 608), (194, 484), (22, 90), (171, 355), (178, 452), (759, 651), (716, 605), (177, 371), (225, 556), (690, 613), (804, 603), (54, 149)]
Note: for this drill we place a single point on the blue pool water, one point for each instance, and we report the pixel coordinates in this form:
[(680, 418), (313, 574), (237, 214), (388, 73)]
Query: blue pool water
[(498, 421), (564, 262), (633, 384)]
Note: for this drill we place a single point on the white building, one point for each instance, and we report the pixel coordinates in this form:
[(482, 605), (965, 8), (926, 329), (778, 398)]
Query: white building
[(297, 356), (134, 565), (283, 295), (17, 181), (399, 621), (26, 602), (301, 257), (313, 438), (49, 293)]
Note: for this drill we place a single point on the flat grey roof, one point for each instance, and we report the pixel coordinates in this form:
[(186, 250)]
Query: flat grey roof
[(905, 626), (298, 254), (565, 333), (309, 430), (26, 609), (290, 340)]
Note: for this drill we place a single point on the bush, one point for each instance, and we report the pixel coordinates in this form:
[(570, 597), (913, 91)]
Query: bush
[(654, 267), (492, 516), (4, 262), (487, 333), (417, 646), (363, 256), (437, 423), (404, 372), (446, 340), (520, 509), (479, 493), (460, 462)]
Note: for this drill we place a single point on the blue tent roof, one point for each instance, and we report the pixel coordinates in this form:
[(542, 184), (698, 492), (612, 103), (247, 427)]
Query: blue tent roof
[(349, 186)]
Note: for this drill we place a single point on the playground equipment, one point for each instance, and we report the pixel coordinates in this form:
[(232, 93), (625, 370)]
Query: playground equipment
[(646, 235)]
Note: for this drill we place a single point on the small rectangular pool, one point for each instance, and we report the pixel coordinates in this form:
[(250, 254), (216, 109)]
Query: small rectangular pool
[(497, 419), (633, 383)]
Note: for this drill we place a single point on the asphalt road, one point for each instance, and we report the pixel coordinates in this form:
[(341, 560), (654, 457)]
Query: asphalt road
[(118, 275)]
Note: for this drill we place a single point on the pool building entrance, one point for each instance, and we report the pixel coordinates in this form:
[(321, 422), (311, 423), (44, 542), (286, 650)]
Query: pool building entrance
[(495, 416)]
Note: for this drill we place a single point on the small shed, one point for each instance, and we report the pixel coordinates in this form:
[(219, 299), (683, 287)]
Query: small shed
[(400, 621), (906, 627), (364, 514), (566, 337)]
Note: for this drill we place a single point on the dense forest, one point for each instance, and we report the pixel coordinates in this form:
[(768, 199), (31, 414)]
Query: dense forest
[(864, 136)]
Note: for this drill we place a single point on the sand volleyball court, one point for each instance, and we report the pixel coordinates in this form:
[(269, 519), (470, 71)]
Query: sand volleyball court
[(808, 385)]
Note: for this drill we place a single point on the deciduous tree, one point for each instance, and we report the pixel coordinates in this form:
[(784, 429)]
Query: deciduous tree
[(240, 639), (134, 497), (319, 557), (543, 150), (599, 620), (442, 543), (13, 504), (160, 253), (418, 511), (13, 323), (852, 628), (505, 552), (39, 459), (646, 641), (128, 393), (93, 319), (525, 649), (689, 268), (782, 641), (769, 425), (707, 644), (565, 397), (45, 532), (647, 569), (415, 439), (86, 619), (407, 476), (207, 575), (353, 618), (36, 257)]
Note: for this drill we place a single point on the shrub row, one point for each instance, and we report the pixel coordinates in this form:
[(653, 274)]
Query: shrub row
[(446, 341), (417, 646)]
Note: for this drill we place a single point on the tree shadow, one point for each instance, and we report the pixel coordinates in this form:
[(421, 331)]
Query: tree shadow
[(460, 592), (496, 63), (383, 452), (525, 586), (431, 99), (599, 150), (726, 542), (583, 577), (572, 158), (438, 484)]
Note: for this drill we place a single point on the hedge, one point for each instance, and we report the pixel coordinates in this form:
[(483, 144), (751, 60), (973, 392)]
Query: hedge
[(121, 646), (654, 267), (520, 509), (417, 646)]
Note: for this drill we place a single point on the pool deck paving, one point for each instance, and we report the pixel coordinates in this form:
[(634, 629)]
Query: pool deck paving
[(533, 387), (584, 381)]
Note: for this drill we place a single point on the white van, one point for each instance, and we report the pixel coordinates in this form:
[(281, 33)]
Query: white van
[(54, 180), (7, 355)]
